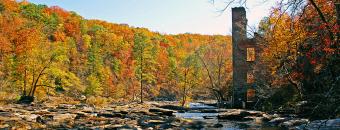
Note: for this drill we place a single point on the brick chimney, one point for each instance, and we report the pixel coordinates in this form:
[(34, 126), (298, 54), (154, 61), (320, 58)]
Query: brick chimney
[(239, 37), (239, 26)]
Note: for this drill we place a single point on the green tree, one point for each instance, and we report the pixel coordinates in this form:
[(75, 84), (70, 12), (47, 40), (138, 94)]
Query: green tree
[(191, 77), (145, 52)]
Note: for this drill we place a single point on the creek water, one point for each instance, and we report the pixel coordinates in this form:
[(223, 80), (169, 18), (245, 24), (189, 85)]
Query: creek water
[(211, 118)]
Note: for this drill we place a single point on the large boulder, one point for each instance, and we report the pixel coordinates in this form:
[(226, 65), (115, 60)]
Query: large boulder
[(4, 126), (236, 114), (294, 122), (87, 109), (267, 117), (31, 118), (278, 120)]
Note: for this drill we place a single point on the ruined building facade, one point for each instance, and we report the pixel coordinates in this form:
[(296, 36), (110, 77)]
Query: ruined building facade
[(245, 52)]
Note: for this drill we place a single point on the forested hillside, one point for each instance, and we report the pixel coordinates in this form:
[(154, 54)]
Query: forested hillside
[(48, 51), (59, 70)]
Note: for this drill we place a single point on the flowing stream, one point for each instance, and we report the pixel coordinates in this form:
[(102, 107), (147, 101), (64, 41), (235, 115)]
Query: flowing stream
[(211, 118)]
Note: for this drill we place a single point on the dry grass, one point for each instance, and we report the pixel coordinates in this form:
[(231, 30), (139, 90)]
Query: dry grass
[(54, 101), (7, 98), (98, 101)]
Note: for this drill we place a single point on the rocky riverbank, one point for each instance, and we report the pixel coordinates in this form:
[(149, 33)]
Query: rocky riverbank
[(82, 116), (150, 115)]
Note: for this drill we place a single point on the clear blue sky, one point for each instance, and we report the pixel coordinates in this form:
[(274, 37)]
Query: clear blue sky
[(164, 16)]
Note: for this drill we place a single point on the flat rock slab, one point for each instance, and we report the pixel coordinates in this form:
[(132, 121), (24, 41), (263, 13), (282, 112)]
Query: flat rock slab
[(256, 113), (66, 106), (173, 107), (64, 117), (236, 114), (5, 114), (209, 111), (155, 121), (144, 112), (2, 109), (110, 115), (162, 111)]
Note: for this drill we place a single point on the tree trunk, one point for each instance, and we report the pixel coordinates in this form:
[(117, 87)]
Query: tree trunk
[(37, 80), (25, 83), (337, 7), (141, 77), (184, 88)]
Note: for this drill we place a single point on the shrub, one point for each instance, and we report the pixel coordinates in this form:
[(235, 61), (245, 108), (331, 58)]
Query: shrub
[(97, 101)]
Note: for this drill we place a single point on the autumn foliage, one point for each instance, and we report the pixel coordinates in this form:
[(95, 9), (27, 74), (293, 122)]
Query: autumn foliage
[(50, 51), (301, 50)]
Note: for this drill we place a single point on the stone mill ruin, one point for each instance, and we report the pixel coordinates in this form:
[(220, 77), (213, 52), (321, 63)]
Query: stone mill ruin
[(244, 55)]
